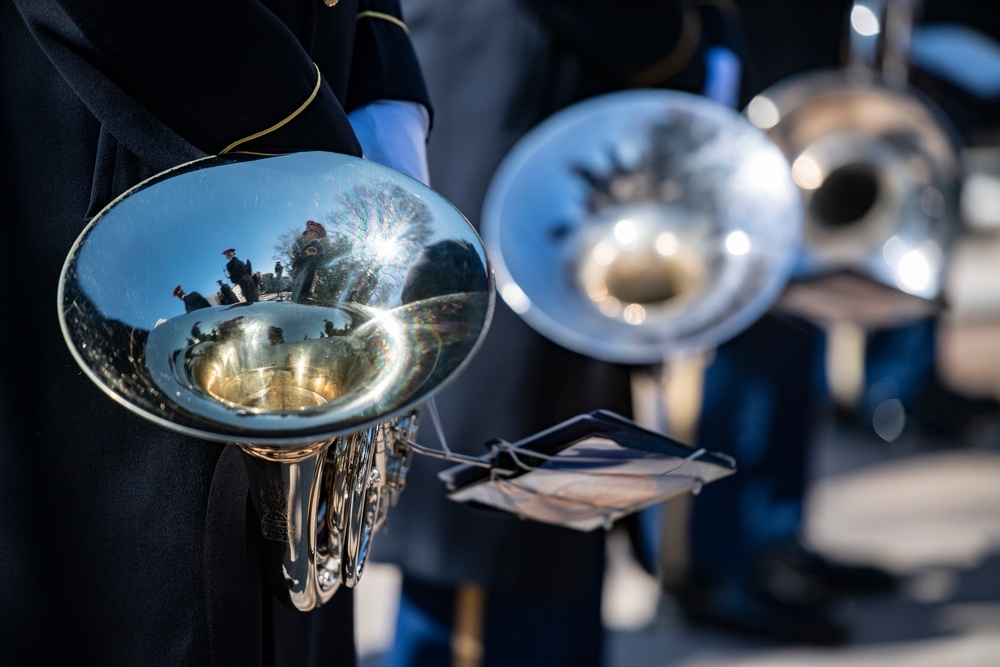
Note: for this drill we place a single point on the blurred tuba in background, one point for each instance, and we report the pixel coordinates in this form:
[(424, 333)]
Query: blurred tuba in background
[(642, 225), (877, 167)]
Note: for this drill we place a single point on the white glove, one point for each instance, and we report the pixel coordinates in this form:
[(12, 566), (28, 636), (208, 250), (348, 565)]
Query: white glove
[(722, 76), (394, 133)]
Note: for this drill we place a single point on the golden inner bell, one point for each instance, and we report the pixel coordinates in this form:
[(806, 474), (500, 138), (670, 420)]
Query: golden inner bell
[(642, 262), (649, 278), (275, 388), (296, 376)]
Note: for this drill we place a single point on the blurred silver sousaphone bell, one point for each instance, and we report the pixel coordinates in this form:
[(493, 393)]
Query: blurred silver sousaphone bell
[(641, 225), (878, 171), (385, 295)]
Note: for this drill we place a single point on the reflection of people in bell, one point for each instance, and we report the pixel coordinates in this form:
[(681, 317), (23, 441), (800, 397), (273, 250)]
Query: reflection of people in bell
[(307, 259), (240, 273), (227, 296), (446, 267), (275, 336), (279, 269), (659, 174), (192, 300)]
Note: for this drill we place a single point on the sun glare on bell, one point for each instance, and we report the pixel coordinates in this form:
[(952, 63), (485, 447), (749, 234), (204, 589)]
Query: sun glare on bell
[(610, 306), (634, 314), (763, 112), (806, 172), (515, 298), (914, 272), (626, 232), (738, 243), (604, 253), (864, 21), (666, 244), (766, 171)]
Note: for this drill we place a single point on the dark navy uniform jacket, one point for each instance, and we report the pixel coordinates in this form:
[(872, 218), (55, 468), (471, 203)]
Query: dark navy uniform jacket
[(123, 543), (509, 64), (194, 301), (237, 269)]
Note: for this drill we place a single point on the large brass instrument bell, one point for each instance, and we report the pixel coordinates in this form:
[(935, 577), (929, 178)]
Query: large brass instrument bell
[(642, 225), (319, 379)]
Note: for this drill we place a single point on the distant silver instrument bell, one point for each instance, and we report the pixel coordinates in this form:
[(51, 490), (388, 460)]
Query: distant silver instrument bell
[(641, 224), (877, 164)]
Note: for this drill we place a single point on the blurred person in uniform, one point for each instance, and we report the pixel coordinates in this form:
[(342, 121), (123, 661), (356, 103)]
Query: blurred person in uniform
[(241, 273), (955, 63), (759, 404), (277, 284), (785, 39), (746, 567), (227, 296), (498, 590), (126, 543), (192, 300), (308, 257), (749, 566)]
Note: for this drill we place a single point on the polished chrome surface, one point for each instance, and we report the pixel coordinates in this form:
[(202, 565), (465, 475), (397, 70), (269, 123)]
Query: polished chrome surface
[(876, 164), (316, 371), (878, 172), (393, 457), (386, 322), (641, 224)]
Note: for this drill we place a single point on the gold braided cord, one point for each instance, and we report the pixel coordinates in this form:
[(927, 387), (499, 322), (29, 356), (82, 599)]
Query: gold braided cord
[(676, 60), (385, 17), (312, 96)]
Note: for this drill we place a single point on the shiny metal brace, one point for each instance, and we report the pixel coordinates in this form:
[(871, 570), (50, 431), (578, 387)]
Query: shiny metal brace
[(386, 300)]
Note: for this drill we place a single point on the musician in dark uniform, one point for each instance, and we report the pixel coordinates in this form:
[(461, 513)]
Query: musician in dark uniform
[(308, 257), (530, 593), (123, 542), (227, 296), (241, 273), (192, 300), (750, 568)]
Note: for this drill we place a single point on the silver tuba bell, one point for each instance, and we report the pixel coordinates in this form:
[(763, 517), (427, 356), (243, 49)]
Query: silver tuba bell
[(876, 165), (387, 296), (641, 225)]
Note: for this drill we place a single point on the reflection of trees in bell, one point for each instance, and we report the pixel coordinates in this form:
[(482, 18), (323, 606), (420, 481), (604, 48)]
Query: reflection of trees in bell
[(373, 233), (373, 239), (679, 160), (113, 350)]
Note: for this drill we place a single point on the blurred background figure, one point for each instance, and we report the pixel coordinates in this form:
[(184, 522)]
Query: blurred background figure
[(192, 300), (478, 588), (308, 257), (227, 296), (748, 566), (241, 273), (483, 589)]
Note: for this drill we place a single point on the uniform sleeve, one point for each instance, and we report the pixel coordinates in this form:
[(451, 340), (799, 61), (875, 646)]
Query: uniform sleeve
[(213, 72), (641, 43), (384, 65)]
